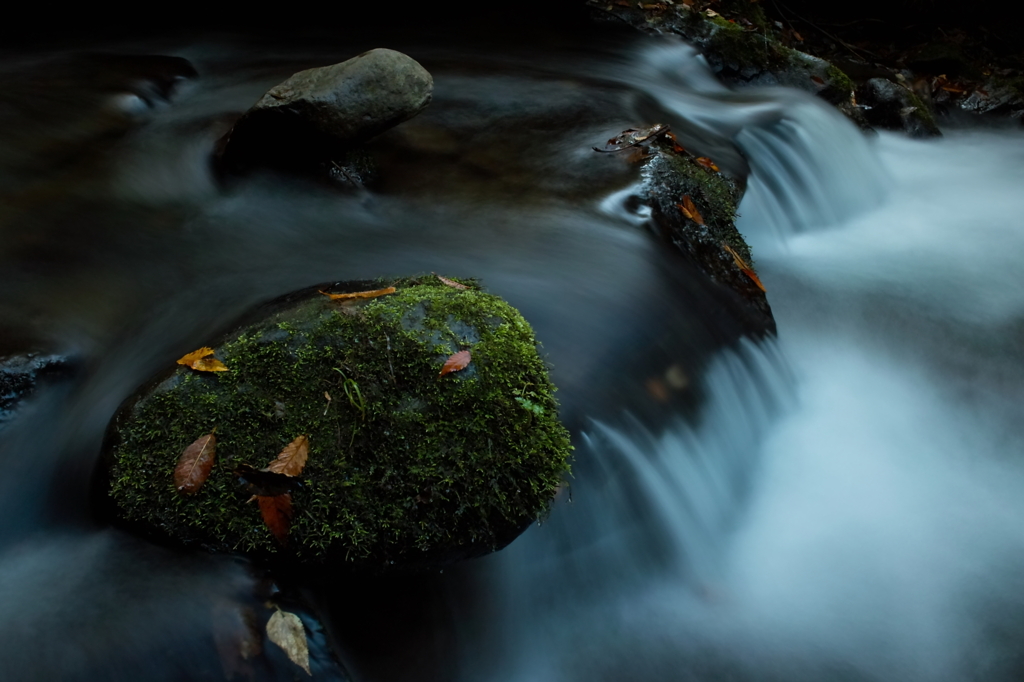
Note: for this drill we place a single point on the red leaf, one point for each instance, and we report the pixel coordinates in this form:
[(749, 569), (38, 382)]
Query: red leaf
[(818, 80), (195, 464), (292, 459), (456, 362), (277, 514)]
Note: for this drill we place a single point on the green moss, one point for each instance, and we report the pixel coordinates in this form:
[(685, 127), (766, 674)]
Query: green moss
[(401, 461), (838, 79)]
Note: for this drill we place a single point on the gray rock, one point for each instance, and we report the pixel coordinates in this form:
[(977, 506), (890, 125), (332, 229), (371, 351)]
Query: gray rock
[(894, 107), (322, 112)]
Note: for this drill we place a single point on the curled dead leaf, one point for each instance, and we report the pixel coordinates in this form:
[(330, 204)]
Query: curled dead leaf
[(277, 514), (292, 458), (456, 362), (452, 283), (689, 209), (201, 360), (744, 267), (707, 163), (359, 294), (195, 464), (286, 630)]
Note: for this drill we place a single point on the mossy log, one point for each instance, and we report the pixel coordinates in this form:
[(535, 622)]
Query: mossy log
[(406, 468)]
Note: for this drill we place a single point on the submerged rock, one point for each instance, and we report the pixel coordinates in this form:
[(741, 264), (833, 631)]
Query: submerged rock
[(21, 373), (406, 468), (319, 114)]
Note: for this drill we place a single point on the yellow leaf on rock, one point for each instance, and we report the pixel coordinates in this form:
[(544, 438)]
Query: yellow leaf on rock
[(285, 630), (201, 361)]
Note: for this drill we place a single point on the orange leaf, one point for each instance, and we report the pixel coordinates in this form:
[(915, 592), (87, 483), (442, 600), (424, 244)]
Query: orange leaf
[(201, 361), (452, 283), (359, 294), (707, 163), (753, 276), (456, 362), (292, 459), (744, 268), (277, 514), (195, 464), (690, 210)]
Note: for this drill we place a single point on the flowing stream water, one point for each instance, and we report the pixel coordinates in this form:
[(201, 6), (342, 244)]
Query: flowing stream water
[(839, 503)]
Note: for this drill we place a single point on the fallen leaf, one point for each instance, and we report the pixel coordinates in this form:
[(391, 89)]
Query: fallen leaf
[(201, 361), (818, 79), (267, 483), (657, 390), (195, 464), (285, 630), (707, 163), (359, 294), (744, 268), (456, 362), (452, 283), (690, 210), (277, 514), (799, 38), (292, 459)]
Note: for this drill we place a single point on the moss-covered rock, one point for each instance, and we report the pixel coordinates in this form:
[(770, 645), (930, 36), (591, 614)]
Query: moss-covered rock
[(406, 468), (712, 243)]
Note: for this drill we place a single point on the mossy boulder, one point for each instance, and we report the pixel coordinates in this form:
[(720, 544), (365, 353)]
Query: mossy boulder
[(406, 468), (708, 239)]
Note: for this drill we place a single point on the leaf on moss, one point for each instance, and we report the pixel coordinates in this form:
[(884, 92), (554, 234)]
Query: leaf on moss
[(195, 464), (277, 514), (456, 362), (285, 630), (292, 459), (452, 283), (744, 268), (689, 210), (359, 294), (201, 361), (707, 163)]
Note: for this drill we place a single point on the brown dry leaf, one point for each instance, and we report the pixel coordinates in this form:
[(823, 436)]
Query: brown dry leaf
[(292, 459), (818, 80), (452, 283), (195, 464), (285, 630), (277, 514), (456, 362), (799, 38), (657, 390), (690, 210), (707, 163), (744, 267), (359, 294), (201, 361)]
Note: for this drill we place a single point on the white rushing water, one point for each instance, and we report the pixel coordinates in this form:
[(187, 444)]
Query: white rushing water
[(849, 505)]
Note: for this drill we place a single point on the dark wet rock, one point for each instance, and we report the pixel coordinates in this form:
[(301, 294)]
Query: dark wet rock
[(740, 53), (21, 374), (406, 468), (715, 247), (895, 107), (319, 114)]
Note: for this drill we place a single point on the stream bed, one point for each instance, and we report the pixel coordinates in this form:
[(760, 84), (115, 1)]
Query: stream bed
[(840, 502)]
